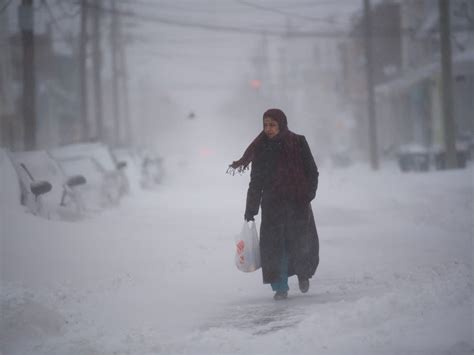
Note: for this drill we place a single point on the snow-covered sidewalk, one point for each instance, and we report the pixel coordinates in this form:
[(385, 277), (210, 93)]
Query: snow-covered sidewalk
[(156, 275)]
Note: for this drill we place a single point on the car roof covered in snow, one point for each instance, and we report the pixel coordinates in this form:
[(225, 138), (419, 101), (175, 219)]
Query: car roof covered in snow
[(98, 151)]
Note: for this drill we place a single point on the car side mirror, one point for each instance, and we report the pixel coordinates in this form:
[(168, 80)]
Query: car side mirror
[(121, 164), (40, 187), (76, 180)]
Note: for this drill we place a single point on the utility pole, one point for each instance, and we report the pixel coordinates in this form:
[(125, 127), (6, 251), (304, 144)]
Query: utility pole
[(283, 63), (97, 71), (83, 72), (26, 22), (126, 99), (7, 137), (115, 73), (374, 161), (447, 84)]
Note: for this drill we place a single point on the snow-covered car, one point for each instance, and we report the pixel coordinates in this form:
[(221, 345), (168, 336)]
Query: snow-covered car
[(45, 189), (413, 157), (341, 156), (465, 141), (151, 167), (132, 170), (106, 181), (439, 155)]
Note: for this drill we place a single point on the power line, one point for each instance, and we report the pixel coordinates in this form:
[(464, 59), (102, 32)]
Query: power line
[(284, 13), (178, 23), (175, 6), (175, 55), (66, 13), (5, 6), (53, 19), (219, 28), (55, 23), (315, 3), (243, 30), (254, 31), (185, 6)]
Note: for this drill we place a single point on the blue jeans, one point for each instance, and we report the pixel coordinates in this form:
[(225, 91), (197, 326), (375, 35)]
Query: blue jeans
[(282, 284)]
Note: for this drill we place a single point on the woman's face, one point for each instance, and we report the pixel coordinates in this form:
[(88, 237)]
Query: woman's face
[(270, 127)]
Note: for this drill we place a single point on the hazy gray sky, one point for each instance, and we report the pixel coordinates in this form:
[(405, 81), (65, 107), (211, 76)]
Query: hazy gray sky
[(200, 65)]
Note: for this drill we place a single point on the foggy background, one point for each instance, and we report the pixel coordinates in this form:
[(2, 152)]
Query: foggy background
[(194, 77)]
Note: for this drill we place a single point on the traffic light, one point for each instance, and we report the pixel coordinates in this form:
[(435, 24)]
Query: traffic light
[(255, 84)]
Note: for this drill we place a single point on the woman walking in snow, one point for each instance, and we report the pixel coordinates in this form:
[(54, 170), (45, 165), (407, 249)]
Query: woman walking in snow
[(283, 181)]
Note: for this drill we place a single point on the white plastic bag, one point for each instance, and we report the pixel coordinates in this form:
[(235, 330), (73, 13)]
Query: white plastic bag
[(247, 254)]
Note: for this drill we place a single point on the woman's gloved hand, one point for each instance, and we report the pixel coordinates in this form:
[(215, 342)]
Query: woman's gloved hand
[(249, 217)]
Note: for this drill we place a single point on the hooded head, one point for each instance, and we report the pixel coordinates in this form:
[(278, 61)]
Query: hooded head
[(279, 116), (249, 154)]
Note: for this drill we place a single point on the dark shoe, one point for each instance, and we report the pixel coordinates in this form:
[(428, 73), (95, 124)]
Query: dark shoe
[(304, 285), (280, 295)]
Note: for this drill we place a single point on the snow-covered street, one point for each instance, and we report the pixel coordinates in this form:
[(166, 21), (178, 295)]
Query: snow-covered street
[(156, 275)]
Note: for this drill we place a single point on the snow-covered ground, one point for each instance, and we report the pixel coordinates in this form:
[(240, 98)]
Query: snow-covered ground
[(156, 275)]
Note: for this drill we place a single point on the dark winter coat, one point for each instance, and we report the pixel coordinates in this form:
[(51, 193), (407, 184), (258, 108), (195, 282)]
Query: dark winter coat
[(285, 223)]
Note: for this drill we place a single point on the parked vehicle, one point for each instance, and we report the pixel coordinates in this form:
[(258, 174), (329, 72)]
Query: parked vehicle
[(341, 156), (106, 181), (465, 142), (439, 156), (133, 169), (41, 176), (152, 168), (413, 157)]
